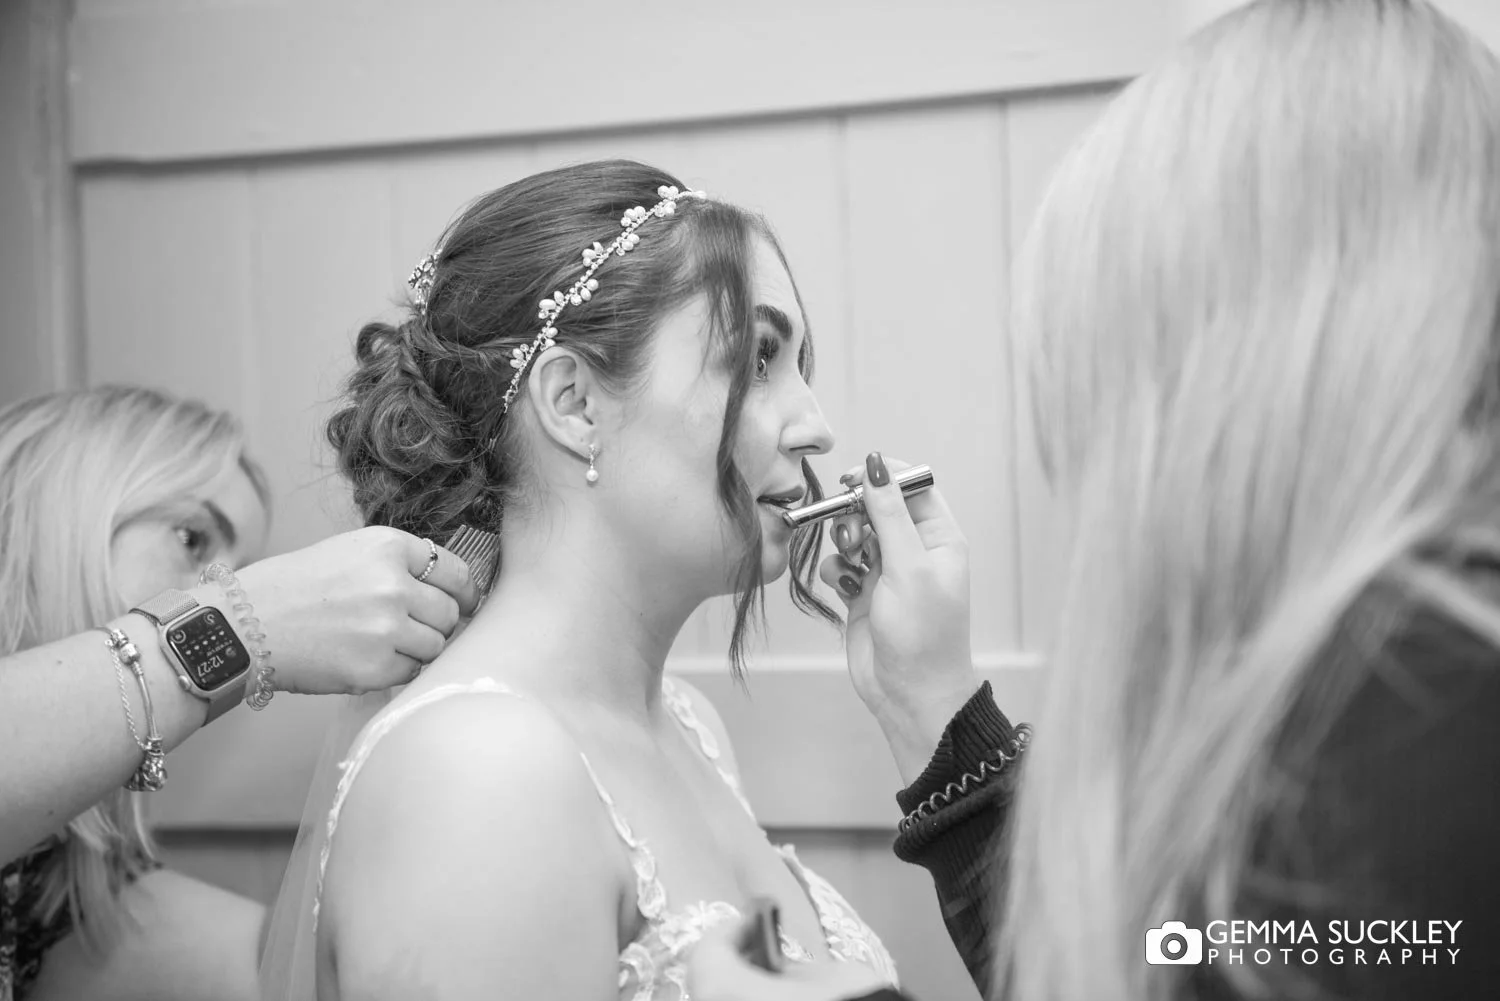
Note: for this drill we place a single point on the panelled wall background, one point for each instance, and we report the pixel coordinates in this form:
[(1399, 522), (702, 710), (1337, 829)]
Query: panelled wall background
[(215, 197)]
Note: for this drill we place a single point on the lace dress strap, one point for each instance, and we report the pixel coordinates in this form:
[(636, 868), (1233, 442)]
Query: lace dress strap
[(650, 894), (681, 706)]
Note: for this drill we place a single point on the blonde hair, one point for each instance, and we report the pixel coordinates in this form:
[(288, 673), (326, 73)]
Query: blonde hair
[(1258, 307), (75, 467)]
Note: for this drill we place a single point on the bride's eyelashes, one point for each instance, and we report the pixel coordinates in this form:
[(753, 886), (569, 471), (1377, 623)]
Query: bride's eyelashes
[(765, 353)]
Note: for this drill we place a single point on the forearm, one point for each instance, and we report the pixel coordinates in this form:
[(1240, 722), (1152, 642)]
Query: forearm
[(63, 731), (955, 834)]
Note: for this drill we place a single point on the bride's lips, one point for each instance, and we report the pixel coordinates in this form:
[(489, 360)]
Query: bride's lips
[(783, 500)]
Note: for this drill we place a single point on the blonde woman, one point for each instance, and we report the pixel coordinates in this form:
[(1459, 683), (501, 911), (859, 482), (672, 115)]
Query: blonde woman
[(108, 497), (1259, 313)]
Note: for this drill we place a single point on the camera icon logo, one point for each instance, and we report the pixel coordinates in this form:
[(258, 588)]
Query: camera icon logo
[(1174, 944)]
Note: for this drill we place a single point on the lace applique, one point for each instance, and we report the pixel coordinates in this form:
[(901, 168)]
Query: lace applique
[(682, 707), (849, 938), (652, 967)]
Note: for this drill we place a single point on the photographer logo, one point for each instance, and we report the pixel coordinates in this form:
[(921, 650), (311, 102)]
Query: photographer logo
[(1174, 944), (1381, 942)]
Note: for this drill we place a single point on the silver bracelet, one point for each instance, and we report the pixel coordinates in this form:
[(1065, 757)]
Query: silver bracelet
[(262, 681), (969, 781), (151, 774)]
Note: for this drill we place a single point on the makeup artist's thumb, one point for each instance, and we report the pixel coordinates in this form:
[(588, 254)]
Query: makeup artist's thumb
[(885, 507)]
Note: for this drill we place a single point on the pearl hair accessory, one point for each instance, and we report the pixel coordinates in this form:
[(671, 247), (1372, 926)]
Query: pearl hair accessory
[(584, 288), (421, 281)]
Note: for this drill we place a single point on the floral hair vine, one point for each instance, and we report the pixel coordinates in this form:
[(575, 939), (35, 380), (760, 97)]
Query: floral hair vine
[(583, 289)]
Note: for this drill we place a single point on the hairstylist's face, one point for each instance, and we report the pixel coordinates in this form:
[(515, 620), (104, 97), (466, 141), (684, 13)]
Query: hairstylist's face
[(675, 427), (168, 546)]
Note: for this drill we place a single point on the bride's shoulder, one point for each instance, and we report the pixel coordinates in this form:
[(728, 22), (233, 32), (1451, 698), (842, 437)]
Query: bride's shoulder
[(476, 743)]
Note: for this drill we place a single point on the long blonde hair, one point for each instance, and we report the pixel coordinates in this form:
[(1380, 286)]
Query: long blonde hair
[(75, 467), (1258, 309)]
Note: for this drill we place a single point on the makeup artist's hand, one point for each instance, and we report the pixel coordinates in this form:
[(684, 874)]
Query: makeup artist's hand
[(348, 615), (903, 572), (716, 971)]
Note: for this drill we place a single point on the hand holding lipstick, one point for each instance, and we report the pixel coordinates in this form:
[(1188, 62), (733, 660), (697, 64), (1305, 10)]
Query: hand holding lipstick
[(903, 571)]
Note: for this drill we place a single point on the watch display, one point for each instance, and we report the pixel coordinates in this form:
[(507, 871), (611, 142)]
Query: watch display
[(208, 649)]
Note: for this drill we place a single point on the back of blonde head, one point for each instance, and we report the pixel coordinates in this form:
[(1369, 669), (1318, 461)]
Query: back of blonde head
[(75, 467), (1258, 307)]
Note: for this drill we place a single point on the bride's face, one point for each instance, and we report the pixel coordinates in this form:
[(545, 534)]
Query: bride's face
[(675, 428)]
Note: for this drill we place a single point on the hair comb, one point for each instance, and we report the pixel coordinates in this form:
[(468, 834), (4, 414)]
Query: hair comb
[(481, 551)]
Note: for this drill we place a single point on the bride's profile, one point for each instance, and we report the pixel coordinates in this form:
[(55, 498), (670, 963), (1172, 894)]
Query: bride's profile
[(610, 372)]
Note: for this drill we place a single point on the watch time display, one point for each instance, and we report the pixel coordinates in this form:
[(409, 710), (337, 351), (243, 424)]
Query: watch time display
[(208, 649)]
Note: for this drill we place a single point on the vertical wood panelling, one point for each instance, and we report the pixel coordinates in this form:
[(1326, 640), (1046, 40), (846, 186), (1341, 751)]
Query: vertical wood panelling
[(39, 328), (320, 253), (167, 281), (928, 260)]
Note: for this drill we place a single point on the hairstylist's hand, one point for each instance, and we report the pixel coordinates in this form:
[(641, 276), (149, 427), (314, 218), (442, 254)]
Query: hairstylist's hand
[(717, 972), (348, 615), (903, 572)]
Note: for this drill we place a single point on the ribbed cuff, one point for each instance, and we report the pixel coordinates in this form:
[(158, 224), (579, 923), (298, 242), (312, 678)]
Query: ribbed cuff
[(974, 734)]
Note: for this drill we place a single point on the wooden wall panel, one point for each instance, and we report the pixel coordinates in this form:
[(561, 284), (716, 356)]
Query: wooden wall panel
[(39, 328), (167, 282), (320, 251), (928, 254), (163, 80)]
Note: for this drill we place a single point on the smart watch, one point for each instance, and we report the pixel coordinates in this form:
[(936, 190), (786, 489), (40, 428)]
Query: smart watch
[(198, 641)]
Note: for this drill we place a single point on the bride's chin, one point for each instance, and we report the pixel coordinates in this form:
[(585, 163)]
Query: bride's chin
[(774, 564)]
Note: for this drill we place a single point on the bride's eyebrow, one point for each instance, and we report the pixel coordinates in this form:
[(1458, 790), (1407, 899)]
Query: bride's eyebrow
[(776, 318)]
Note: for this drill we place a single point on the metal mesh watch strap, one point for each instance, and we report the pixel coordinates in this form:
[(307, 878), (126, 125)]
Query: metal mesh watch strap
[(164, 609), (167, 606)]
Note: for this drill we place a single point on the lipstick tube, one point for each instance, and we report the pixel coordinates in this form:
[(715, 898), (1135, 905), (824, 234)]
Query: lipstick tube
[(911, 481)]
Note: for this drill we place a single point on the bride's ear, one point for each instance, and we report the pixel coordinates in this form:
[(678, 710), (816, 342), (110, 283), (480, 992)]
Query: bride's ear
[(567, 398)]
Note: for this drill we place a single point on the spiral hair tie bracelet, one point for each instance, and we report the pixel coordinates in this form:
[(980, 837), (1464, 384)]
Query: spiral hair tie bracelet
[(261, 687)]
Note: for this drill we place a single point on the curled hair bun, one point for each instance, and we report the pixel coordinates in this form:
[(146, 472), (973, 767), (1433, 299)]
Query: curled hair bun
[(412, 463)]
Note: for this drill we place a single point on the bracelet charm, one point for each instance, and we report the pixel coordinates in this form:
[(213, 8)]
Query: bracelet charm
[(151, 774)]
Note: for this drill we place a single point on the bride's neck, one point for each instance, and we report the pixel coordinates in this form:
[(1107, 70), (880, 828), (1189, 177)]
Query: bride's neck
[(589, 615)]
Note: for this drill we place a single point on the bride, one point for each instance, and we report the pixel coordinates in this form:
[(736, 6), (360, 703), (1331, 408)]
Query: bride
[(611, 374)]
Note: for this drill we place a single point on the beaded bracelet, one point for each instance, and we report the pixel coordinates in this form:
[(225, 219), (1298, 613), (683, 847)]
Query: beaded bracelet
[(260, 689), (969, 781), (151, 774)]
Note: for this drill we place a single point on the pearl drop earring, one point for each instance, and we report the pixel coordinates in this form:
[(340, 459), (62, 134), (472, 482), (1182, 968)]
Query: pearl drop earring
[(593, 474)]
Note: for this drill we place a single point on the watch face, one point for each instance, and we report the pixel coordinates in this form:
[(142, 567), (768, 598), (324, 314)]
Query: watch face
[(208, 649)]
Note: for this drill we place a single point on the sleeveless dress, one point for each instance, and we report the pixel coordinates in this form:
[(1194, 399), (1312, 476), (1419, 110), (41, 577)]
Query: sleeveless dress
[(652, 967)]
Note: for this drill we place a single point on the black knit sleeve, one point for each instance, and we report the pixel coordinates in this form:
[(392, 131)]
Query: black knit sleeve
[(958, 843)]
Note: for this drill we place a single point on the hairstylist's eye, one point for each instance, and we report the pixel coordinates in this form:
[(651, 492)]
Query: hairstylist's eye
[(195, 542), (766, 353)]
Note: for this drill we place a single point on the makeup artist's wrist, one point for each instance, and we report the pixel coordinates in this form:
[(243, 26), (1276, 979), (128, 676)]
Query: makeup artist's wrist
[(914, 725), (178, 714)]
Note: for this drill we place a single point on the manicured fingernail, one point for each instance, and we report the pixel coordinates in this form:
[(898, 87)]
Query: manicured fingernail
[(841, 537), (849, 586), (847, 480), (875, 469)]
